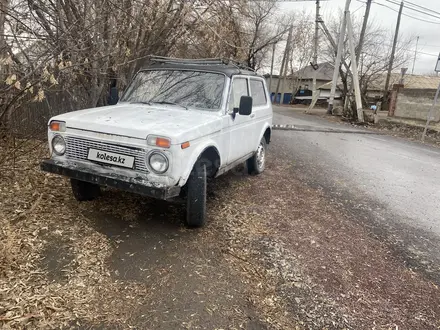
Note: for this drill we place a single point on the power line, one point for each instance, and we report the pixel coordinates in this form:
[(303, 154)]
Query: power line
[(434, 46), (413, 17), (416, 5), (425, 11), (407, 49), (357, 9), (407, 15), (411, 50), (419, 52), (417, 10), (419, 19)]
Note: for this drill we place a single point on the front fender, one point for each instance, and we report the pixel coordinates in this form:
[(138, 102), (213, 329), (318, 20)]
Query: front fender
[(265, 127), (193, 157)]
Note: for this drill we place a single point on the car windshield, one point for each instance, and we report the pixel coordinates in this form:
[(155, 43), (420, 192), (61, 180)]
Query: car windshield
[(190, 89)]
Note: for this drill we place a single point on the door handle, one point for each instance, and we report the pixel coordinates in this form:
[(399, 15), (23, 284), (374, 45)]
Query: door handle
[(252, 115)]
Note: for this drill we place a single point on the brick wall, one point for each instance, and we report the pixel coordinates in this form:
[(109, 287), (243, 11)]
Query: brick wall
[(416, 103)]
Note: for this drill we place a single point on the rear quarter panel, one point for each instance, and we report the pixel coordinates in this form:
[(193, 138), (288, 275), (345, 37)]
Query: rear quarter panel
[(263, 115)]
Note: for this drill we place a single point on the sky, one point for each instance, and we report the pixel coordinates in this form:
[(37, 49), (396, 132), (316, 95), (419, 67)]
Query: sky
[(429, 41)]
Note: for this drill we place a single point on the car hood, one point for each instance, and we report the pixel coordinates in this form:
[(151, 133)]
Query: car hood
[(140, 120)]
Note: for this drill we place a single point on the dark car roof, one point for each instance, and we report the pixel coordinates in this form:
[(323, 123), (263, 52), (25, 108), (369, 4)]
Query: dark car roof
[(228, 70)]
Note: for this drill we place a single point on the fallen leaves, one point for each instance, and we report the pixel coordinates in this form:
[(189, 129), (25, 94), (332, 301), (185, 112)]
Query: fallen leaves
[(35, 214)]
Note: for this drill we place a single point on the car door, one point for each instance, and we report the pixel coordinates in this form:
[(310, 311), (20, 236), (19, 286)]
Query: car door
[(261, 108), (241, 127)]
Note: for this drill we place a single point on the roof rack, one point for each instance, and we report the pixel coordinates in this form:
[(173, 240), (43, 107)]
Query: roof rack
[(199, 61)]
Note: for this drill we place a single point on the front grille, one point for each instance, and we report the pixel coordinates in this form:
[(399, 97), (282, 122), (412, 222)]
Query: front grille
[(79, 149)]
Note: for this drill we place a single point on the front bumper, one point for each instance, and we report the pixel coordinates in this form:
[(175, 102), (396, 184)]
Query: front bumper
[(114, 180)]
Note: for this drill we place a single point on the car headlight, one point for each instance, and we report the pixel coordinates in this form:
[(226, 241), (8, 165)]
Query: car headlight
[(158, 162), (157, 141), (58, 145)]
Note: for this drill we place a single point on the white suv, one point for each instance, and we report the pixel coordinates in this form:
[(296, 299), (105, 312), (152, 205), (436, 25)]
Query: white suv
[(178, 123)]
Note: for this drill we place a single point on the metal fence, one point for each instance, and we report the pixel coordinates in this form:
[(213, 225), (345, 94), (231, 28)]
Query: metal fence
[(30, 117)]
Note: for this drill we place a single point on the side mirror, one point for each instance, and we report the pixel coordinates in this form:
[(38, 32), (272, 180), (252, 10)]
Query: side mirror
[(245, 108), (113, 97)]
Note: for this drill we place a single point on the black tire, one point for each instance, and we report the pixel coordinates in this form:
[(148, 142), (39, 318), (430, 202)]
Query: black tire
[(257, 163), (196, 196), (84, 191)]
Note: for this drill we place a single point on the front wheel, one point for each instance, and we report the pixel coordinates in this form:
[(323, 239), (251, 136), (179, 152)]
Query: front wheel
[(196, 196), (257, 162)]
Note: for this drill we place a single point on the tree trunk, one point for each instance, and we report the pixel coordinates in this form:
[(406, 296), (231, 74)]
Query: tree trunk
[(3, 7), (4, 117)]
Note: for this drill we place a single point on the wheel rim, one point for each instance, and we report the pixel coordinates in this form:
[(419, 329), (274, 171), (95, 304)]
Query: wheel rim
[(260, 156)]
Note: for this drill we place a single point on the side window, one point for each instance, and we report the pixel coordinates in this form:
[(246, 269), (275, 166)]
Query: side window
[(239, 88), (258, 93)]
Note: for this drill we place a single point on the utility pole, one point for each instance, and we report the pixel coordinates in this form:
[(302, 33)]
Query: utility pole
[(359, 48), (393, 51), (315, 55), (283, 62), (415, 55), (286, 68), (364, 29), (333, 43), (271, 67), (338, 57), (316, 39), (357, 90)]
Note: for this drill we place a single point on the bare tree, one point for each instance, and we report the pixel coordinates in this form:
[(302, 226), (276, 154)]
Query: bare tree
[(302, 50), (3, 9), (241, 30), (263, 29), (3, 54), (374, 58), (79, 48)]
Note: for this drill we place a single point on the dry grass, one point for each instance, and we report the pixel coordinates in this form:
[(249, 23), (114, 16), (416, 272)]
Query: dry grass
[(9, 249), (35, 215), (57, 267), (403, 130)]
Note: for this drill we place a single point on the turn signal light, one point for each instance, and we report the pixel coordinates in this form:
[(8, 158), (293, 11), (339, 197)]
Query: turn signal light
[(163, 143), (57, 126), (185, 145)]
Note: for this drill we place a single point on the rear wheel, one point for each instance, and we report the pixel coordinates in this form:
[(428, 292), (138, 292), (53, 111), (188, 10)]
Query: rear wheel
[(84, 191), (196, 196), (257, 163)]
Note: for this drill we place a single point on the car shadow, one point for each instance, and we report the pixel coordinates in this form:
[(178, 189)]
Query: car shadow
[(183, 270), (150, 234)]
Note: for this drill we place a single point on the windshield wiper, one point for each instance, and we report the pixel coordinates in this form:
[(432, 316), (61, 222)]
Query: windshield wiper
[(171, 103), (142, 102)]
